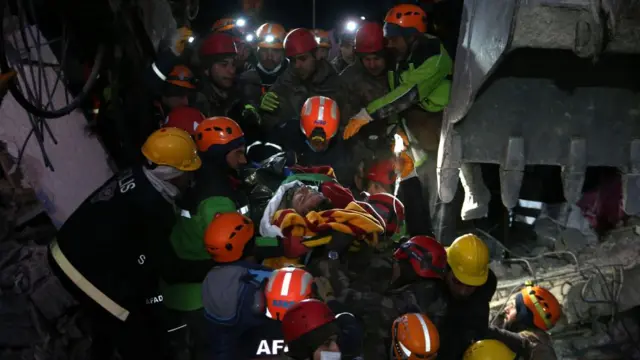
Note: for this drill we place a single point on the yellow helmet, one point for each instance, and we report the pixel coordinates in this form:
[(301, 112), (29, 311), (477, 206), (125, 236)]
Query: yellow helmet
[(468, 257), (172, 147), (489, 350)]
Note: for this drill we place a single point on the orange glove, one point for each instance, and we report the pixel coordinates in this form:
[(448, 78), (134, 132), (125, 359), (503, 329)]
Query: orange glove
[(356, 123)]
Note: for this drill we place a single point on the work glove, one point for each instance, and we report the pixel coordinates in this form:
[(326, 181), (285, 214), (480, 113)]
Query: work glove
[(250, 112), (269, 102), (323, 288), (356, 123), (293, 247)]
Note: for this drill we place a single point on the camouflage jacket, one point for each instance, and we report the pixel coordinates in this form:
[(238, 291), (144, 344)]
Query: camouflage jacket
[(361, 88), (293, 92), (379, 310)]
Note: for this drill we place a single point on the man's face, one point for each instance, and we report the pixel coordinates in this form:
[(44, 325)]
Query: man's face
[(173, 102), (457, 289), (330, 346), (374, 64), (510, 313), (223, 73), (398, 47), (243, 51), (319, 145), (346, 50), (270, 58), (304, 65), (323, 53), (305, 199), (237, 158)]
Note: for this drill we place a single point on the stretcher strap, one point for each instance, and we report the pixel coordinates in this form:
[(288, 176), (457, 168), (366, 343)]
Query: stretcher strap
[(88, 288)]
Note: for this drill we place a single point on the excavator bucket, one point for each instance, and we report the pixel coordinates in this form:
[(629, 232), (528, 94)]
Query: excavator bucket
[(545, 82)]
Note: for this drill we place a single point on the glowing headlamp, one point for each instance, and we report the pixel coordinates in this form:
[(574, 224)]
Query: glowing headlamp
[(351, 26), (241, 22), (269, 38)]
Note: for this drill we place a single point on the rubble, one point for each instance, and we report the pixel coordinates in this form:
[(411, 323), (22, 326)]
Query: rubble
[(597, 285)]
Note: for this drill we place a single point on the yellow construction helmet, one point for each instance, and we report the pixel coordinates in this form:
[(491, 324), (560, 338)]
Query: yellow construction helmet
[(468, 257), (172, 147), (489, 350)]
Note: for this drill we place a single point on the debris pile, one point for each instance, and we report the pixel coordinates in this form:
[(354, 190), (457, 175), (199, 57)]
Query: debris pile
[(597, 283)]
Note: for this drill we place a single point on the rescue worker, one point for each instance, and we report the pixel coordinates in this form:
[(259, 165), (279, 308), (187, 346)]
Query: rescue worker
[(122, 223), (381, 178), (177, 86), (471, 286), (218, 95), (313, 138), (306, 76), (324, 43), (536, 311), (312, 332), (422, 66), (414, 336), (489, 350), (366, 80), (346, 55), (271, 63), (238, 322), (419, 91), (185, 118), (236, 28), (415, 286), (221, 143)]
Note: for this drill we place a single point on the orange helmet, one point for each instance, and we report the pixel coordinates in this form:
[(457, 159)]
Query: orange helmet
[(542, 304), (218, 130), (320, 117), (271, 36), (407, 16), (322, 37), (181, 76), (414, 337), (286, 287), (227, 235), (223, 24)]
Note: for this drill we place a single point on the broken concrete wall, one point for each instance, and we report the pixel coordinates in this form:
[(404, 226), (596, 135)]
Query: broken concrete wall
[(79, 161), (596, 286)]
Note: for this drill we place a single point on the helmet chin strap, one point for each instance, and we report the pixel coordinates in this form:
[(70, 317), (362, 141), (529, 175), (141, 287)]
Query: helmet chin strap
[(270, 72)]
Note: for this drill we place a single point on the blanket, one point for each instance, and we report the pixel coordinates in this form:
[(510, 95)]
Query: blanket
[(316, 227)]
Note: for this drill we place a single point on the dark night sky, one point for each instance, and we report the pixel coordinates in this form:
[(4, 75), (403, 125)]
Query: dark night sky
[(298, 13)]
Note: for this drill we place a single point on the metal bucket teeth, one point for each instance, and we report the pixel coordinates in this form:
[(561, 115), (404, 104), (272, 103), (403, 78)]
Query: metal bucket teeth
[(512, 171), (573, 173), (448, 172), (631, 181)]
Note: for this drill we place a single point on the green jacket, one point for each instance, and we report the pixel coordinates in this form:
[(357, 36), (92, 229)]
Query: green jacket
[(421, 79)]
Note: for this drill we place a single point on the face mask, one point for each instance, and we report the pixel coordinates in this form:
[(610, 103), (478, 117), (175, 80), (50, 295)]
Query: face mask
[(330, 355)]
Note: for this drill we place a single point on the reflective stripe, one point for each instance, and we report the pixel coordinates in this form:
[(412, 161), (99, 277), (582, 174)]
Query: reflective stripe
[(243, 210), (185, 214), (88, 288), (284, 291), (530, 204), (539, 308), (177, 328), (95, 111), (158, 72), (427, 336)]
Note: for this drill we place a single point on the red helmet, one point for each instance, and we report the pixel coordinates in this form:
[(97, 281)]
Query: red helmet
[(383, 171), (304, 317), (299, 41), (369, 38), (427, 256), (218, 44), (390, 209), (185, 118)]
